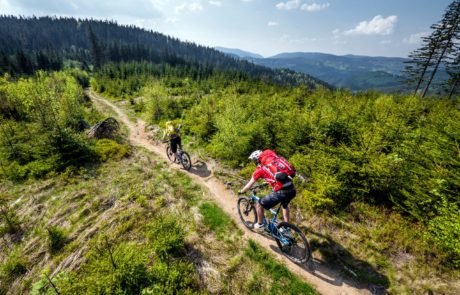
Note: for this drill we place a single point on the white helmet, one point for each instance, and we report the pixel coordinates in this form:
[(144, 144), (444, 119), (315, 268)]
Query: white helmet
[(255, 155)]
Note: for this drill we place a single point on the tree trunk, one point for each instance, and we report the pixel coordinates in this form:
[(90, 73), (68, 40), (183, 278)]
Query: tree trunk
[(448, 44), (453, 86)]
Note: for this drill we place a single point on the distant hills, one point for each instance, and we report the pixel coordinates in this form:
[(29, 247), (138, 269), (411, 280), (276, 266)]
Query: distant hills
[(350, 71), (238, 53)]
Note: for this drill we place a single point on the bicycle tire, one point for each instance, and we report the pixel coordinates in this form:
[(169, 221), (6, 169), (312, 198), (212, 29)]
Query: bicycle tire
[(247, 212), (169, 154), (186, 161), (294, 244)]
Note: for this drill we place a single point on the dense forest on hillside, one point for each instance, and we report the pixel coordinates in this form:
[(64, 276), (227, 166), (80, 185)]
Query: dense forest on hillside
[(28, 44)]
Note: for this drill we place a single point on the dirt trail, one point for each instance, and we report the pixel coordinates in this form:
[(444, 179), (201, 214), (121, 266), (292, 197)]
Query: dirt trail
[(322, 278)]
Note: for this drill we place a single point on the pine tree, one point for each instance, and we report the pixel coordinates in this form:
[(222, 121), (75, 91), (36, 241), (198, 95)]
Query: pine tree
[(436, 49), (95, 48)]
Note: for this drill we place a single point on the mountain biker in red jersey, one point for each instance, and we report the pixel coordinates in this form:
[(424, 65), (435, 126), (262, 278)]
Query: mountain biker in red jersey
[(283, 187)]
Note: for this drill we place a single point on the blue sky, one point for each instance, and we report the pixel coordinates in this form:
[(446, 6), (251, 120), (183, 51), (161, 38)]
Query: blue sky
[(266, 27)]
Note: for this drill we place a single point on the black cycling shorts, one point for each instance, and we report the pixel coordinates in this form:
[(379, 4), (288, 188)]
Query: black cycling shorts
[(174, 142), (283, 196)]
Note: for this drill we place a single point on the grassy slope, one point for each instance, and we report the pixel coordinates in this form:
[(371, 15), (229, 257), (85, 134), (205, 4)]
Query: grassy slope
[(118, 199)]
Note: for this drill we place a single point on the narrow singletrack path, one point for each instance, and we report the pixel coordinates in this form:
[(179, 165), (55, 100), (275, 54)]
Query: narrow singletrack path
[(324, 279)]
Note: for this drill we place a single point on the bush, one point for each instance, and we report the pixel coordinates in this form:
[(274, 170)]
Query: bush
[(14, 266), (176, 277), (109, 149), (444, 230), (39, 119), (56, 238), (99, 276), (166, 237)]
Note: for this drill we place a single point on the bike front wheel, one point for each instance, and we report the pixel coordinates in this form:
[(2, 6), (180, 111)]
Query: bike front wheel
[(247, 212), (169, 153), (185, 161), (293, 243)]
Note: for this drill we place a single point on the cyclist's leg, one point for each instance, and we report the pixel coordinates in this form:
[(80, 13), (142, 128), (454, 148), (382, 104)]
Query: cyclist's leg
[(260, 213), (286, 214), (174, 148), (288, 195), (179, 142), (267, 203)]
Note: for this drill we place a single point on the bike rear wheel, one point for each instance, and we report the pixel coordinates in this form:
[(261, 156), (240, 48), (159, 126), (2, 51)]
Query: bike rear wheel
[(185, 161), (247, 212), (293, 243)]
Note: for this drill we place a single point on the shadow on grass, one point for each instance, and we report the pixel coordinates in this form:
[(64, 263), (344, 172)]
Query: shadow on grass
[(339, 266)]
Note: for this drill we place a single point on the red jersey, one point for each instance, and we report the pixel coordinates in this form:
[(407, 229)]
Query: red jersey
[(261, 172)]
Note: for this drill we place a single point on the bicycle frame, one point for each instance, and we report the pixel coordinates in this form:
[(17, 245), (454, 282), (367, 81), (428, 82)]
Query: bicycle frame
[(273, 222)]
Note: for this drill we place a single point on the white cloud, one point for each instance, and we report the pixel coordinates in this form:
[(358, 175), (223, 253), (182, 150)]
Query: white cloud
[(314, 7), (272, 24), (289, 5), (377, 26), (416, 38), (384, 42), (193, 6), (215, 3)]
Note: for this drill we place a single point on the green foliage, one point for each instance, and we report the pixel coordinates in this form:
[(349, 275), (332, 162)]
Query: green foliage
[(39, 122), (14, 266), (56, 238), (175, 277), (444, 230), (110, 149), (100, 276), (166, 237), (9, 220)]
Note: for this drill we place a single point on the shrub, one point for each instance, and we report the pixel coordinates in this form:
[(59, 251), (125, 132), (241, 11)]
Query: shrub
[(444, 230), (56, 238), (9, 220), (176, 277), (166, 237), (109, 149), (99, 276), (14, 266)]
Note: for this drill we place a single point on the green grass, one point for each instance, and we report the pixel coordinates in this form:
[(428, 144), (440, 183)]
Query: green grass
[(283, 280), (215, 218)]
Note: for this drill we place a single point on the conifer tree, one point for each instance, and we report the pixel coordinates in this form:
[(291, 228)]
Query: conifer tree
[(436, 49)]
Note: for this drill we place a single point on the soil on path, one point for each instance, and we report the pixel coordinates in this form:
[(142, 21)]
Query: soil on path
[(324, 279)]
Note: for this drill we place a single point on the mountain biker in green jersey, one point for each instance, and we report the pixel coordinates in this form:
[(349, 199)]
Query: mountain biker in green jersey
[(172, 133)]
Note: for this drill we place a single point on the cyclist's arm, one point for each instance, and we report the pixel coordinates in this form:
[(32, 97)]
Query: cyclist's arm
[(248, 185)]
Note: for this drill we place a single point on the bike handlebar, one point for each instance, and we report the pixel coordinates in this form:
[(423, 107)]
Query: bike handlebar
[(254, 188)]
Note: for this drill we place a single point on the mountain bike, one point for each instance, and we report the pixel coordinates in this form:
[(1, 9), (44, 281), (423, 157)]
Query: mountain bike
[(182, 157), (289, 238)]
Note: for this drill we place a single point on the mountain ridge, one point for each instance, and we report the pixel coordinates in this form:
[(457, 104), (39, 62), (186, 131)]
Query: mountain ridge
[(357, 72)]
